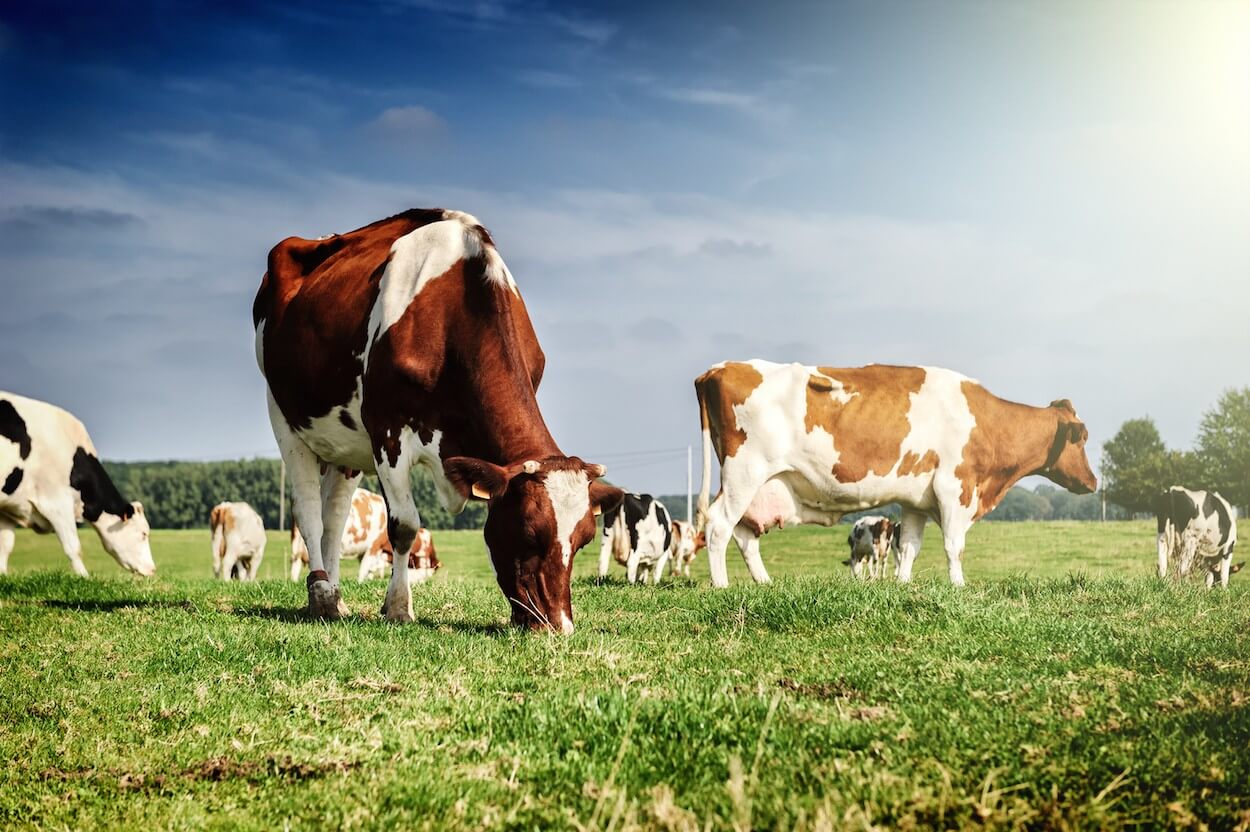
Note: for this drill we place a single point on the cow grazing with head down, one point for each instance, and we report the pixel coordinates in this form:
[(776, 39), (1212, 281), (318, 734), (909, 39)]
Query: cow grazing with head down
[(238, 538), (800, 444), (50, 478), (405, 343), (1198, 530), (639, 536), (364, 537), (687, 541), (872, 539)]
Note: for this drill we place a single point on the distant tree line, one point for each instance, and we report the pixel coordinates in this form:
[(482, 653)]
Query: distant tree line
[(180, 495), (1137, 466)]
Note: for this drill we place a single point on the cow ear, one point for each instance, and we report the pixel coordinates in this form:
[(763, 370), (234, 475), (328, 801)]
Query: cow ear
[(604, 497), (475, 479), (1236, 567), (138, 507), (846, 562), (1077, 432)]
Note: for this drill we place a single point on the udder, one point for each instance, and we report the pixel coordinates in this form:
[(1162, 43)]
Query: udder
[(772, 506)]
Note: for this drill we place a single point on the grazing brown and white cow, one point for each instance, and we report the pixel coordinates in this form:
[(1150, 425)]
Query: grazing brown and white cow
[(1197, 530), (238, 541), (687, 542), (800, 444), (405, 343), (365, 537), (50, 478), (872, 538)]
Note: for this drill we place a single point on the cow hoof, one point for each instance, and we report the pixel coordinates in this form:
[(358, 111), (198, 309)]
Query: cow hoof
[(325, 602), (397, 616)]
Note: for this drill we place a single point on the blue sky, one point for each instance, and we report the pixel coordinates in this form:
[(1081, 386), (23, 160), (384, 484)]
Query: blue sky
[(1053, 198)]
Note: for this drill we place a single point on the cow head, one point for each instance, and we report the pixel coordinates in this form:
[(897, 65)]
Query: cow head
[(540, 513), (1067, 464), (125, 537)]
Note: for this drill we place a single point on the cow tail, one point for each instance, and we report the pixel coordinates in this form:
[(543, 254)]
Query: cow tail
[(219, 534), (700, 522)]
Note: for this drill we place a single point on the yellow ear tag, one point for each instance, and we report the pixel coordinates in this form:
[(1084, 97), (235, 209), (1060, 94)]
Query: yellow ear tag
[(598, 510), (480, 493)]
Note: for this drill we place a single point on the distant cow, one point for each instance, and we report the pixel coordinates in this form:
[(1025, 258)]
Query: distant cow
[(365, 537), (801, 444), (1197, 529), (872, 539), (687, 542), (238, 541), (51, 478), (404, 343), (638, 535)]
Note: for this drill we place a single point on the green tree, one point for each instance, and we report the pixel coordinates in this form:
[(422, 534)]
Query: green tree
[(1136, 465), (1224, 446)]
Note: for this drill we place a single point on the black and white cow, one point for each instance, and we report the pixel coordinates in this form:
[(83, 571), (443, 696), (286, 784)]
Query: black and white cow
[(872, 539), (1199, 530), (638, 535), (52, 478)]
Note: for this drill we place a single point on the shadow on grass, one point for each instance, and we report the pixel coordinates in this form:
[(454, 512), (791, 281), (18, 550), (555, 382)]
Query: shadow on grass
[(299, 615), (117, 604)]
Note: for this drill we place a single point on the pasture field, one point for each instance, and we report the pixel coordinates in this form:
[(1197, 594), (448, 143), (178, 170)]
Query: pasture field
[(1065, 687)]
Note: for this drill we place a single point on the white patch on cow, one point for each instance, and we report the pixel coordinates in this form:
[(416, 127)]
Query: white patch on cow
[(335, 442), (260, 345), (423, 255), (566, 623), (569, 492), (238, 539)]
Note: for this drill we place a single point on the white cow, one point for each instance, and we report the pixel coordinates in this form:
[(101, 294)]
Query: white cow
[(51, 478), (238, 541)]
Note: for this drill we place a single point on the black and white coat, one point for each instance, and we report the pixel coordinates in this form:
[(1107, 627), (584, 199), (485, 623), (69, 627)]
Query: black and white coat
[(1197, 532), (639, 536), (51, 478)]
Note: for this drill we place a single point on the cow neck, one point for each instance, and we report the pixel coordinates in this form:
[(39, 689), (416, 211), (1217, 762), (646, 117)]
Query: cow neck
[(1036, 431), (510, 426)]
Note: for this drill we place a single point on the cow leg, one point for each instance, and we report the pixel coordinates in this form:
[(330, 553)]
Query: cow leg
[(8, 539), (605, 553), (336, 501), (254, 567), (910, 539), (297, 566), (61, 517), (657, 571), (402, 524), (1163, 554), (1226, 567), (749, 544), (723, 515), (227, 565), (953, 536), (631, 566), (305, 471)]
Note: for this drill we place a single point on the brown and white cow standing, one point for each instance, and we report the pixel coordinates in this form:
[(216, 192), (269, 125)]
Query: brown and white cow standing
[(238, 539), (405, 343), (365, 537), (801, 444), (686, 544)]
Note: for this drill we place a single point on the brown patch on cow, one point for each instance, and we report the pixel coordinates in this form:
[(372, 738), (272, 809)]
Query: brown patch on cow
[(719, 390), (876, 415), (463, 359), (358, 532), (1009, 441), (222, 516), (913, 465)]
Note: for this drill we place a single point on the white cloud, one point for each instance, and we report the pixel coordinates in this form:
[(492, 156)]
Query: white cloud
[(409, 122)]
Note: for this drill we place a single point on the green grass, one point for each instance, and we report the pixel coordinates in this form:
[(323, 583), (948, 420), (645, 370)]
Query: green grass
[(1063, 687)]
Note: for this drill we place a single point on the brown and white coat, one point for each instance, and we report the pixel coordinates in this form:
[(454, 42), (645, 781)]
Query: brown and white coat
[(805, 444), (405, 343), (238, 539), (365, 537)]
